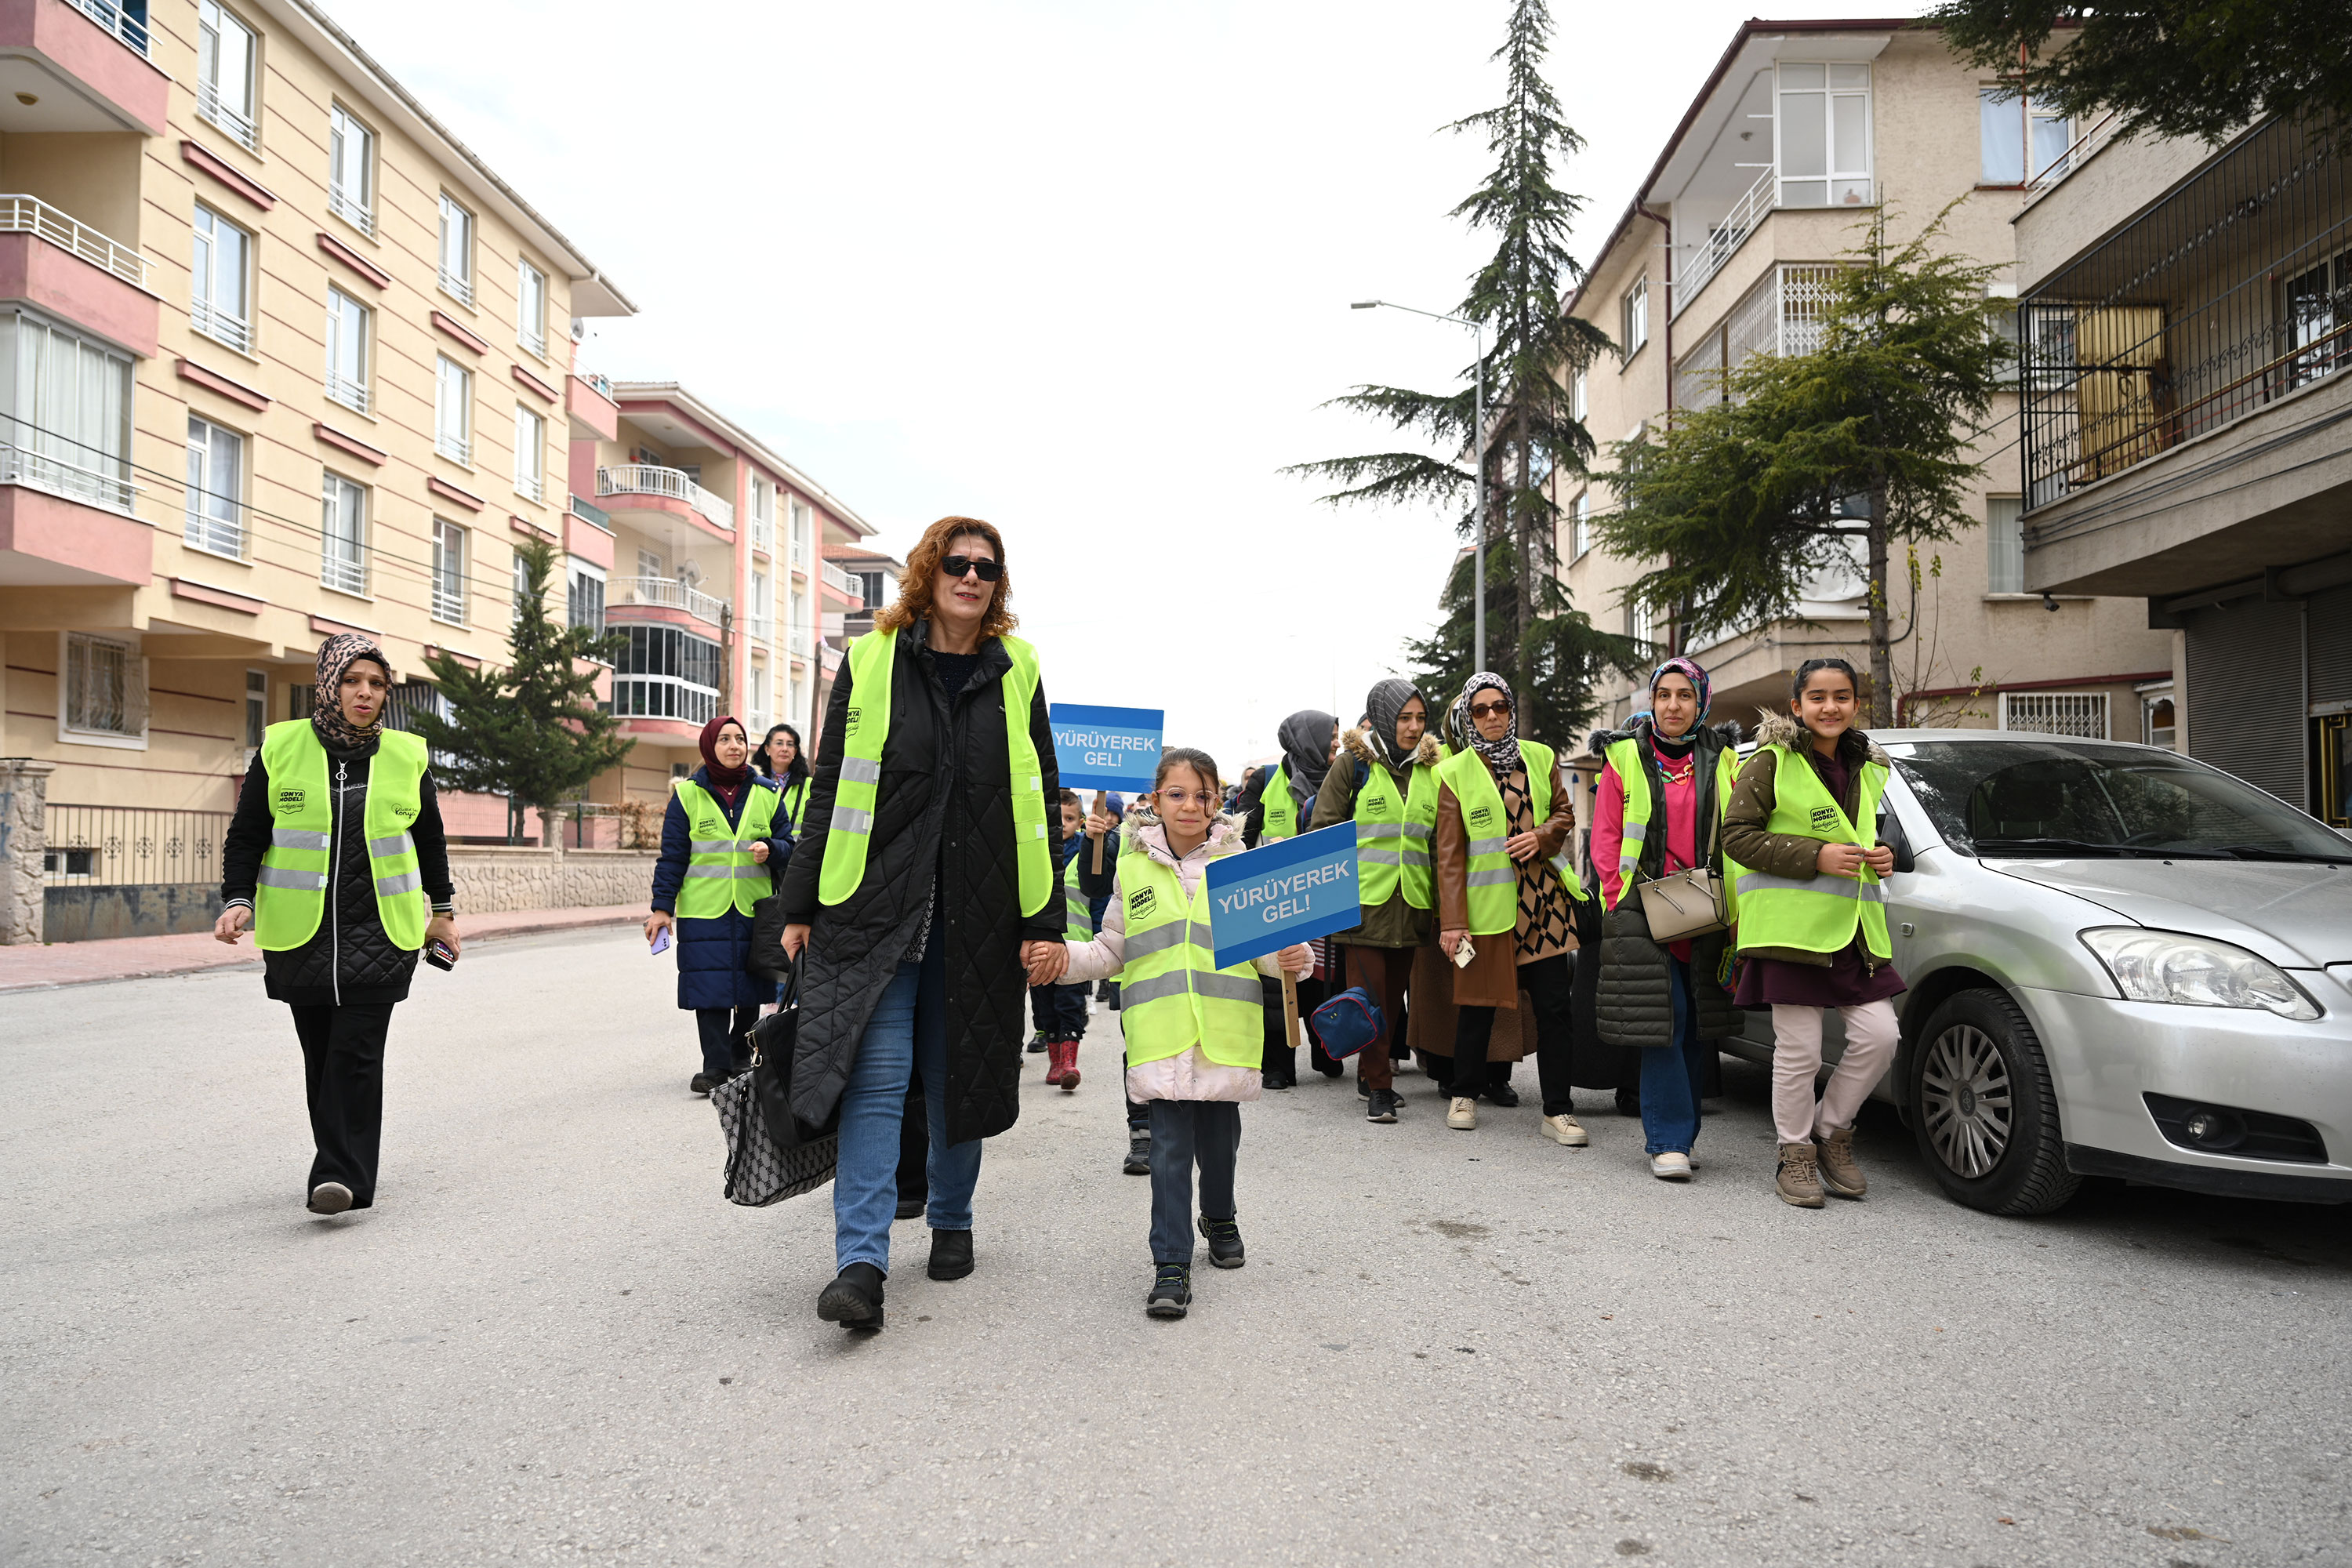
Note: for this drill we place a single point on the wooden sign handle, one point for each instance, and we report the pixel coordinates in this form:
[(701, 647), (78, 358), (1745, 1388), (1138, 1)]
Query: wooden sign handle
[(1290, 1008), (1102, 803)]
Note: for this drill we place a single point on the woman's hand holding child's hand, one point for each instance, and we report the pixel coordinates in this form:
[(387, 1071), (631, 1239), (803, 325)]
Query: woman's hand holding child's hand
[(1045, 961)]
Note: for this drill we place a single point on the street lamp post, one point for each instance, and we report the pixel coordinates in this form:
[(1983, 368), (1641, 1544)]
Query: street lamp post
[(1478, 465)]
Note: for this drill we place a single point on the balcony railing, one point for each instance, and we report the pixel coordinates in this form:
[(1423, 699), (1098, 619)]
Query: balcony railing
[(800, 555), (220, 326), (2232, 292), (2102, 132), (95, 487), (351, 395), (457, 449), (758, 628), (344, 567), (212, 107), (129, 29), (1747, 216), (648, 479), (118, 846), (449, 602), (668, 592), (29, 214), (351, 211), (457, 287), (763, 532), (663, 697), (591, 514), (840, 578)]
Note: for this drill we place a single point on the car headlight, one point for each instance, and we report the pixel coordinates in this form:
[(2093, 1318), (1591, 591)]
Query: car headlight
[(2195, 971)]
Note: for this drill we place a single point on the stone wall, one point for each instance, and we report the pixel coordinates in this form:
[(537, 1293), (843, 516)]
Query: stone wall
[(497, 877), (23, 831)]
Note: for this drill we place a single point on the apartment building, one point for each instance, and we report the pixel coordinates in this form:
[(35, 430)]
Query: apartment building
[(282, 358), (1801, 131), (708, 552), (2187, 318)]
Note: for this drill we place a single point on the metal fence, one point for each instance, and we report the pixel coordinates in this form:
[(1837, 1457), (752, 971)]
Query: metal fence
[(118, 846)]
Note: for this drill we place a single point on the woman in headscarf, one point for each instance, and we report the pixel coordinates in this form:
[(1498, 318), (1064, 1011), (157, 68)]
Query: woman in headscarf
[(336, 861), (1277, 804), (1506, 812), (1386, 784), (724, 840), (1665, 782)]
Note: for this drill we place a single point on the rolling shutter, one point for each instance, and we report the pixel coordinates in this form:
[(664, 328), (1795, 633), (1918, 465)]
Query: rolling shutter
[(2246, 707), (2331, 645)]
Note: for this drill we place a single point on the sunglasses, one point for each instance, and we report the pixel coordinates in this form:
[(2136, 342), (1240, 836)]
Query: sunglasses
[(956, 566), (1498, 709)]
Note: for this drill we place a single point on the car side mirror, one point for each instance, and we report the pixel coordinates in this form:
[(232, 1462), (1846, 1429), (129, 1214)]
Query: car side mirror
[(1890, 833)]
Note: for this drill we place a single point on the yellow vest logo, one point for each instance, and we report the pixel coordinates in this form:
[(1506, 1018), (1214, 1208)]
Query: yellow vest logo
[(1140, 902), (290, 799), (708, 829), (403, 809), (850, 718), (1825, 819), (1483, 814)]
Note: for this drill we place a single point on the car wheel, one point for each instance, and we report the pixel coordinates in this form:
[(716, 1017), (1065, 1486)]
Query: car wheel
[(1982, 1110)]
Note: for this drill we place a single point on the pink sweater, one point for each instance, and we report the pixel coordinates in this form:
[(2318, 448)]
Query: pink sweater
[(1680, 811)]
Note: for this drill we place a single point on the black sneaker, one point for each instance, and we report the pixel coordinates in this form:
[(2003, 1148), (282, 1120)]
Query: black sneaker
[(908, 1208), (1037, 1044), (951, 1254), (1502, 1094), (703, 1083), (1225, 1242), (855, 1299), (1139, 1154), (1384, 1106), (1171, 1291)]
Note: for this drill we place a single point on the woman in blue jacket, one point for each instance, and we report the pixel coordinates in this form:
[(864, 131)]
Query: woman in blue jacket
[(725, 839)]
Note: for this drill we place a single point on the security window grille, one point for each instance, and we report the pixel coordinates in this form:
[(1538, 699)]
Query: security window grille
[(105, 687), (2083, 714), (342, 527), (666, 673), (1824, 134), (530, 453), (456, 252), (347, 351), (224, 74), (65, 413), (216, 488), (448, 571), (2318, 306), (2018, 141), (219, 305), (530, 307), (1635, 313), (2004, 545), (452, 410), (351, 170)]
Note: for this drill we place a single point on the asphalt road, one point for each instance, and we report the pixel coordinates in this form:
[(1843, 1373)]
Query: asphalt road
[(552, 1339)]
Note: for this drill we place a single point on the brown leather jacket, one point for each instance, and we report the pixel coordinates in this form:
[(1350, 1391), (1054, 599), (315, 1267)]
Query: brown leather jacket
[(1492, 979)]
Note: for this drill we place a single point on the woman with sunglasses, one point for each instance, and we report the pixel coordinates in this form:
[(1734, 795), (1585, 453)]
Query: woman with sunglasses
[(925, 898), (1506, 811)]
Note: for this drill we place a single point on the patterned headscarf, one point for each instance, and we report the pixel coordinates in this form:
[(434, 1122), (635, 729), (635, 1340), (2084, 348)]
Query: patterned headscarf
[(1385, 702), (1690, 670), (1501, 755), (336, 655)]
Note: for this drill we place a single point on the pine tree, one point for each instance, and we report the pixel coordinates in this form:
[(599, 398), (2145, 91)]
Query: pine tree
[(1531, 434), (1867, 439), (1570, 654), (531, 731)]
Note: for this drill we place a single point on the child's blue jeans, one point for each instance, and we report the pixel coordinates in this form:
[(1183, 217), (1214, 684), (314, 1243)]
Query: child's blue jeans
[(1183, 1132)]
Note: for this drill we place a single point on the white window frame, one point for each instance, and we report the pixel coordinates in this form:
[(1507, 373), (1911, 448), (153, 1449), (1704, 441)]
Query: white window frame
[(57, 448), (205, 315), (348, 390), (530, 320), (256, 707), (1844, 87), (577, 573), (458, 284), (351, 169), (452, 410), (336, 574), (449, 548), (2041, 713), (2004, 545), (207, 488), (1994, 99), (1579, 536), (134, 703), (1579, 400), (530, 453), (241, 118), (1634, 316)]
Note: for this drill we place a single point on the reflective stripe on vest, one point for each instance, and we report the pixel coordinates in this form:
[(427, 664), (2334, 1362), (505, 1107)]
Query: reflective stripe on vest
[(1392, 836), (864, 730), (720, 874), (1491, 881), (290, 896), (1171, 994), (1281, 811), (1625, 758), (1816, 914), (1079, 911)]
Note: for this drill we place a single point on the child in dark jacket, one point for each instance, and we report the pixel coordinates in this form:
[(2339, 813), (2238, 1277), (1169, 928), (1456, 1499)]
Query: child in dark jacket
[(1060, 1011)]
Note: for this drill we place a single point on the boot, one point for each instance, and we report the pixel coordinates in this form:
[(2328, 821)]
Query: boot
[(1065, 1059), (1281, 1069), (950, 1255), (855, 1300), (1841, 1177), (1799, 1178), (1053, 1061)]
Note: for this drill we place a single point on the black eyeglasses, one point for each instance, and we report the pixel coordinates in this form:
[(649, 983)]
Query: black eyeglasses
[(956, 566), (1498, 709)]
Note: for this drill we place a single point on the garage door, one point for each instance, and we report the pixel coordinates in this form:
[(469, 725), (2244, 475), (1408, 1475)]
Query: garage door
[(2246, 707)]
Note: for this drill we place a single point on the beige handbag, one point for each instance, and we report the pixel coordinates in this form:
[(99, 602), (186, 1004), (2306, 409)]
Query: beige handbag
[(1689, 902)]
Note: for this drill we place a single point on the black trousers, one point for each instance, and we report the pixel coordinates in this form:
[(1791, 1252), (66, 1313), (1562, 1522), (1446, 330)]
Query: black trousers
[(726, 1037), (1059, 1011), (1277, 1053), (1550, 984), (343, 1073)]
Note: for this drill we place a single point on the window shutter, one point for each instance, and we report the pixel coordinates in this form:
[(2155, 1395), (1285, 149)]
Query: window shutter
[(2245, 694)]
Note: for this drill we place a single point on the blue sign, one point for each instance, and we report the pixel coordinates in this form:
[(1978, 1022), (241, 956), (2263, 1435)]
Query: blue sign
[(1286, 892), (1105, 748)]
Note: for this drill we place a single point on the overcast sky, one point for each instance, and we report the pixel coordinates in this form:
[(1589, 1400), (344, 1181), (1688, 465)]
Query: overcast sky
[(1078, 267)]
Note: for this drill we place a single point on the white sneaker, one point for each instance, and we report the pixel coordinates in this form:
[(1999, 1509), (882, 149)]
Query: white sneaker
[(1671, 1166), (330, 1198), (1462, 1115), (1565, 1129)]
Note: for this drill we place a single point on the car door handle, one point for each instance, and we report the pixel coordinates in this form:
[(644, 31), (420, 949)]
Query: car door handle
[(1906, 928)]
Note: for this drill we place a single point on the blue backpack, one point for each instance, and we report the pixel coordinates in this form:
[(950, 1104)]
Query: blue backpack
[(1348, 1023)]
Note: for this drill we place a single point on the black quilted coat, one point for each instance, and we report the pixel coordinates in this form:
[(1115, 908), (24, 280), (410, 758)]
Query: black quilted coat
[(944, 814), (350, 959)]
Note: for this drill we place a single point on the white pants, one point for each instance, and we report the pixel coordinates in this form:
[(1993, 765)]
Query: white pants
[(1870, 1035)]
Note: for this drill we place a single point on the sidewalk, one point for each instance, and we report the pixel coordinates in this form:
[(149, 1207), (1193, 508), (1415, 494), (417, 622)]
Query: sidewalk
[(142, 957)]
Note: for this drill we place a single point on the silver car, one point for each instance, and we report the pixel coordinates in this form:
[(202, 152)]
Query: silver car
[(2122, 963)]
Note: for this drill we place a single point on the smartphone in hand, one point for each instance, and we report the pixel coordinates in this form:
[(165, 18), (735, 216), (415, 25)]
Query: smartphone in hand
[(661, 941), (439, 955)]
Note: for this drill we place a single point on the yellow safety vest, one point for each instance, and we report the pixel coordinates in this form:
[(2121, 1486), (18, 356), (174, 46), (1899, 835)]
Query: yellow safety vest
[(1171, 994), (1818, 913), (720, 871), (1078, 909), (866, 726), (295, 870), (1281, 811), (1625, 757), (1392, 836), (797, 799), (1493, 890)]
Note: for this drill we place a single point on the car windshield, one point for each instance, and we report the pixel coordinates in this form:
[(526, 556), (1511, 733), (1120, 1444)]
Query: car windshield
[(2079, 797)]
